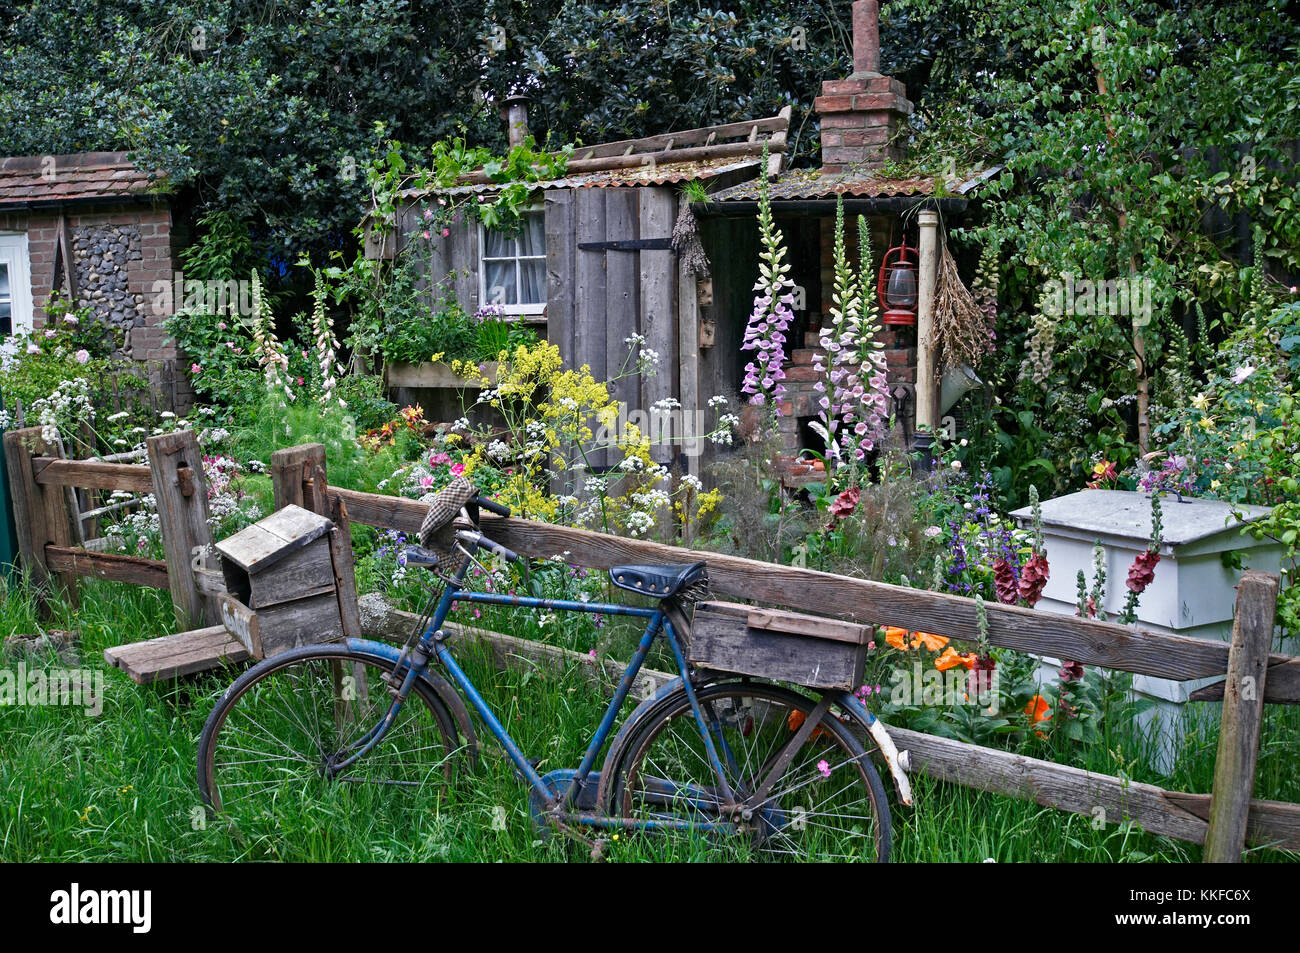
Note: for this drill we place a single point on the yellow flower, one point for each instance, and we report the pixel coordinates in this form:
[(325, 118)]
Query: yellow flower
[(1207, 424), (1200, 402)]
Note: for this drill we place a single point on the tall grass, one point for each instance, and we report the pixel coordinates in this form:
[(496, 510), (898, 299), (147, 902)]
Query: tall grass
[(121, 787)]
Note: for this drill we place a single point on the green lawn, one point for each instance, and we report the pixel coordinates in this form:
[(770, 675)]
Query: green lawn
[(121, 787)]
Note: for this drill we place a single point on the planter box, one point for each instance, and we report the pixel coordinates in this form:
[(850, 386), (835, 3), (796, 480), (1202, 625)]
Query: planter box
[(784, 646), (1193, 592), (432, 374)]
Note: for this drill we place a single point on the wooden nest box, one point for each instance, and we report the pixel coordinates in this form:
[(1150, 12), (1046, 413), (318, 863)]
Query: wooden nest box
[(282, 579)]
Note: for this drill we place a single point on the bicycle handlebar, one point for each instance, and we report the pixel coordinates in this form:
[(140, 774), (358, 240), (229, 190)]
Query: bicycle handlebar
[(479, 540), (491, 506)]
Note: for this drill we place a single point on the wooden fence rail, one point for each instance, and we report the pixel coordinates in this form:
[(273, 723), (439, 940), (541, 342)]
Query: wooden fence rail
[(47, 518), (1224, 821)]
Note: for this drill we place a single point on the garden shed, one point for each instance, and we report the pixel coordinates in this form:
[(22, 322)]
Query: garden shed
[(596, 262)]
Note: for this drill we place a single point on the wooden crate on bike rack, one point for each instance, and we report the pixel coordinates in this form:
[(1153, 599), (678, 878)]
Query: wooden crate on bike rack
[(280, 574), (783, 646)]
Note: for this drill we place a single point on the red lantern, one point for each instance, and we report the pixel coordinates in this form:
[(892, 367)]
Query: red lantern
[(897, 287)]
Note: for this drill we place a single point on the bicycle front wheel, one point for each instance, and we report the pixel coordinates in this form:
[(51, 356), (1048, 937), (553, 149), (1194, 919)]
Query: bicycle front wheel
[(827, 804), (279, 733)]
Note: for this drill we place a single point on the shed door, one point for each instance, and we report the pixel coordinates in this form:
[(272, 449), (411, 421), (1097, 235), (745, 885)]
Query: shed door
[(601, 295)]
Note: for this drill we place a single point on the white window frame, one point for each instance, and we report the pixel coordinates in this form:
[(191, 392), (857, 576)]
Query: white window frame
[(524, 312), (13, 254)]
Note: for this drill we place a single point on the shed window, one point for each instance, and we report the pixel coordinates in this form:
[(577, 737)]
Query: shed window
[(512, 270), (15, 285)]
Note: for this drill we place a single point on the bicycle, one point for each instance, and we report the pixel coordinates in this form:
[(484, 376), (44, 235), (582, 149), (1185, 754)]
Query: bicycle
[(707, 753)]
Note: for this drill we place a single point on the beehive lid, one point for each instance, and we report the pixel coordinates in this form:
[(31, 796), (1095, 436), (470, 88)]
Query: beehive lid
[(287, 530), (1126, 515)]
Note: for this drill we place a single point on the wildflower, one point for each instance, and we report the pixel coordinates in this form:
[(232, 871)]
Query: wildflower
[(932, 531), (1240, 374), (1143, 571), (1005, 583), (1038, 710), (845, 503), (33, 349), (82, 356), (1033, 577), (194, 369), (824, 768), (956, 464)]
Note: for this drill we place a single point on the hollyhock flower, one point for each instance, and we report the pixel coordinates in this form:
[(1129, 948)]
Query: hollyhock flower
[(845, 503), (1142, 572), (1071, 671), (1005, 583), (1033, 577)]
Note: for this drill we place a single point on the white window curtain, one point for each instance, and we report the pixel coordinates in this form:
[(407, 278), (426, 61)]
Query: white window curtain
[(513, 266), (15, 284)]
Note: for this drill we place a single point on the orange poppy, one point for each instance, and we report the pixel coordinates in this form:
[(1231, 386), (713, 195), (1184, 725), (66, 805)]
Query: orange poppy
[(797, 718), (902, 639), (1038, 710), (932, 642), (951, 658)]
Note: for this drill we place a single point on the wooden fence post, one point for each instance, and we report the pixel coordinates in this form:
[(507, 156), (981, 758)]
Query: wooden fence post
[(1243, 712), (298, 476), (183, 518), (41, 513)]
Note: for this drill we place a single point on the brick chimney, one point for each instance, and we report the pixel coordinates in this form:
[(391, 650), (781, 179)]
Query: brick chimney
[(859, 115)]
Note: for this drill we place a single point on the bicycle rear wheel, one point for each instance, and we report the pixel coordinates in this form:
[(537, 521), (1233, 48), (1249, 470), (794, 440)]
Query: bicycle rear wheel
[(828, 804), (280, 730)]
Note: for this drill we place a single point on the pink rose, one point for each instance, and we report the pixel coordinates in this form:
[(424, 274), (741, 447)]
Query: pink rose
[(82, 356), (194, 369)]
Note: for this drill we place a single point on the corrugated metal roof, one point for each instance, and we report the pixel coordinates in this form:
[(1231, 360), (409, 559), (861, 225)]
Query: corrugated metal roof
[(664, 173), (82, 176), (816, 184)]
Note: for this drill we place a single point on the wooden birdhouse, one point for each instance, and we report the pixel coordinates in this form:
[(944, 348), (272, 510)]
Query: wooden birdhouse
[(282, 576)]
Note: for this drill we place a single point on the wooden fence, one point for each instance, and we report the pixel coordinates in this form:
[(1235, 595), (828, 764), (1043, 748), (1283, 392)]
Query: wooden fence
[(1224, 820)]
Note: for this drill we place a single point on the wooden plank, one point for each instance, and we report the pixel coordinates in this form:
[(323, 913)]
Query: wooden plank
[(29, 508), (810, 625), (658, 313), (308, 621), (344, 564), (590, 286), (688, 351), (720, 150), (1281, 686), (722, 641), (1242, 717), (172, 656), (1140, 651), (560, 287), (242, 622), (307, 571), (1269, 824), (686, 137), (622, 295), (115, 566), (465, 262), (184, 521), (291, 469), (62, 526), (265, 543), (92, 474), (1059, 786)]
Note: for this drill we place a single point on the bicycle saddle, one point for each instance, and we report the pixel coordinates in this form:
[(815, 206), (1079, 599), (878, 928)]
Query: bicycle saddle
[(659, 581)]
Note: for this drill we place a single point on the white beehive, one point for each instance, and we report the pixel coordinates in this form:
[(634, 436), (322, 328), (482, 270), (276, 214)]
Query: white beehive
[(1193, 592)]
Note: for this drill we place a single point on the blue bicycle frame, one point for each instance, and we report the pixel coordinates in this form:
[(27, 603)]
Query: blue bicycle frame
[(433, 644)]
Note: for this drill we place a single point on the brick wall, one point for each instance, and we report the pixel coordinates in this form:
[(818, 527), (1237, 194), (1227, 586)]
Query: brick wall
[(153, 261)]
